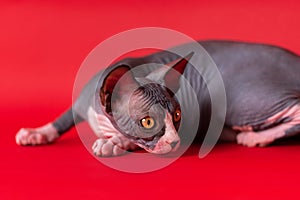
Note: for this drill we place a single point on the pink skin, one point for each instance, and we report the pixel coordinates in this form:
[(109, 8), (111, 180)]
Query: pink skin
[(37, 136), (242, 128), (111, 142), (113, 146), (262, 138), (249, 138)]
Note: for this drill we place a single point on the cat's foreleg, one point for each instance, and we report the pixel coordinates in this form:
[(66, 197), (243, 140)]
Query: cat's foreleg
[(49, 132), (111, 142), (113, 146), (37, 136)]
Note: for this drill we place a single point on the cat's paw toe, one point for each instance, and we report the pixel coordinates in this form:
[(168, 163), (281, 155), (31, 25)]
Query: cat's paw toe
[(252, 139), (108, 147), (27, 136), (37, 139)]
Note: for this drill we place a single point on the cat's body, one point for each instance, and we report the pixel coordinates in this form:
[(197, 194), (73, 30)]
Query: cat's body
[(262, 89)]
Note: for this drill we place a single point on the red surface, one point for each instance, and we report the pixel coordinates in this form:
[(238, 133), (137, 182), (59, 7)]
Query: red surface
[(42, 45)]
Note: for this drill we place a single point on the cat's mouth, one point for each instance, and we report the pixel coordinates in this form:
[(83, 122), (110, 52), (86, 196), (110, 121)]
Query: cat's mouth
[(163, 147)]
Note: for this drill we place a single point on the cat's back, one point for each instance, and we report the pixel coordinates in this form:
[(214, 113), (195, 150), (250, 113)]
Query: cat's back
[(226, 53), (249, 64)]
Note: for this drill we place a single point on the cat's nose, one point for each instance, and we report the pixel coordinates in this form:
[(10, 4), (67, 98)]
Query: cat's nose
[(173, 144)]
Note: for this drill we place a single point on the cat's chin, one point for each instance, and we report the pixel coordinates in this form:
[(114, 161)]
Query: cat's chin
[(162, 149)]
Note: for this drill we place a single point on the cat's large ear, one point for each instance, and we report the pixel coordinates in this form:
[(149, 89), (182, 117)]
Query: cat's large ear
[(119, 81), (172, 77)]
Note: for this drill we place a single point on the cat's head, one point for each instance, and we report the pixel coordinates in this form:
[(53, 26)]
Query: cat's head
[(145, 109)]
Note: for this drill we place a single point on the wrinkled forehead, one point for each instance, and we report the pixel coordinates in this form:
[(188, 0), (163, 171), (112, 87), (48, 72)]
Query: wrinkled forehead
[(151, 97)]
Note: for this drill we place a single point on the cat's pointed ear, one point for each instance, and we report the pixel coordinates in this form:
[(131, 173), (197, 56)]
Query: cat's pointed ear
[(172, 77), (119, 81)]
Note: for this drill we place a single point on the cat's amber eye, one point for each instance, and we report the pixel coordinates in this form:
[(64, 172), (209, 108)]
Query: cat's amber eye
[(148, 122), (177, 115)]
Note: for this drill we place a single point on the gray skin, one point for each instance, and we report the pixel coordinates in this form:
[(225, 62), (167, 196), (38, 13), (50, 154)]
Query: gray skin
[(127, 100), (261, 81)]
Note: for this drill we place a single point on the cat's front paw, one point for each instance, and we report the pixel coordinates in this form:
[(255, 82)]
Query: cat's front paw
[(105, 147), (37, 136)]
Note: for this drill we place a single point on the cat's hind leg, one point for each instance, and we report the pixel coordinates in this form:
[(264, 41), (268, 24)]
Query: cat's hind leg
[(289, 127), (263, 138)]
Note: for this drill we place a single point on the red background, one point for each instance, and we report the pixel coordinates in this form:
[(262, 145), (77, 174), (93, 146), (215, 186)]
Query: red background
[(42, 45)]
